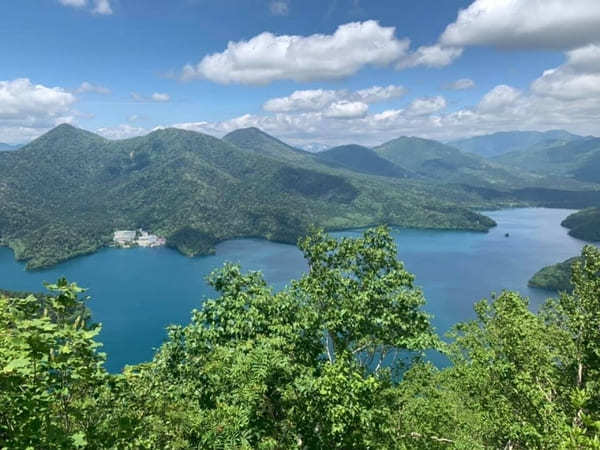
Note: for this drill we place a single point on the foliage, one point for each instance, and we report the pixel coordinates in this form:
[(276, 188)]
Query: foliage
[(306, 367)]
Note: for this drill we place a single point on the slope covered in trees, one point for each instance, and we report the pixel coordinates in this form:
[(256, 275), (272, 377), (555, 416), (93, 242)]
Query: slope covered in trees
[(65, 193), (556, 277), (362, 159), (579, 159), (316, 365), (584, 224), (496, 144)]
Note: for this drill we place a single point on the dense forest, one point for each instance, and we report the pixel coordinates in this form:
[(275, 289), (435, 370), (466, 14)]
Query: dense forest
[(336, 360), (65, 193)]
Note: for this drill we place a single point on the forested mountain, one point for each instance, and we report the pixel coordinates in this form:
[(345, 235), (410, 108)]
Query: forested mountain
[(362, 159), (491, 145), (65, 193), (579, 159), (584, 224), (556, 277), (446, 164), (257, 141)]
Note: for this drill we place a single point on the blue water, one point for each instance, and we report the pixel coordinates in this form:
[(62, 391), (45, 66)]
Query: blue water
[(136, 293)]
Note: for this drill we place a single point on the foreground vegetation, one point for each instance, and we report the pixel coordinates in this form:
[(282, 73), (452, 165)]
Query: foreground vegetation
[(333, 361)]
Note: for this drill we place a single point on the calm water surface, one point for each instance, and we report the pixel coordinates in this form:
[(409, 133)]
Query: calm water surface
[(136, 293)]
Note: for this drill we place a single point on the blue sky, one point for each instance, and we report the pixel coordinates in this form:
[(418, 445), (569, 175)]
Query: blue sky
[(362, 71)]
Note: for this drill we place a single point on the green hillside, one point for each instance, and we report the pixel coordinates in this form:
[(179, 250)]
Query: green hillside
[(362, 159), (584, 224), (491, 145), (65, 193), (555, 278), (579, 159), (445, 164)]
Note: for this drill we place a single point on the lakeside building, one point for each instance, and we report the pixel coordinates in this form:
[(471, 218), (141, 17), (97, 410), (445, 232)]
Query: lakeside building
[(128, 238)]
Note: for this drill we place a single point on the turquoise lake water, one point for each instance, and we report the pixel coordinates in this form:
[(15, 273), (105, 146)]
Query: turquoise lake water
[(137, 292)]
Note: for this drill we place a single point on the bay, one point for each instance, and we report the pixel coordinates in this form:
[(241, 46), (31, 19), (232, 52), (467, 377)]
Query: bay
[(136, 293)]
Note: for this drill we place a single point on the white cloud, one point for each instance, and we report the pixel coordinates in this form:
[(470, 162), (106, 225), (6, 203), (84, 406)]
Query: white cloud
[(73, 3), (320, 99), (431, 56), (378, 93), (554, 24), (90, 87), (461, 85), (122, 131), (102, 7), (423, 106), (499, 98), (161, 97), (267, 57), (347, 110), (279, 8), (155, 97), (27, 110), (577, 79)]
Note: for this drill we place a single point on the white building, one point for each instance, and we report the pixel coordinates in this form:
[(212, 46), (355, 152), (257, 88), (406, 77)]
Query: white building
[(124, 237)]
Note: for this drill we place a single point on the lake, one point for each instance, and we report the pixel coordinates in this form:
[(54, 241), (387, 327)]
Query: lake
[(137, 292)]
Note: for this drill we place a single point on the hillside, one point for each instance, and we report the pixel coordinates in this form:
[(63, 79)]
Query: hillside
[(584, 224), (443, 163), (555, 278), (254, 140), (579, 159), (491, 145), (66, 192), (362, 159)]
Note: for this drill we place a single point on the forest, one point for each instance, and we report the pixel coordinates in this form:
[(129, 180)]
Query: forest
[(338, 359)]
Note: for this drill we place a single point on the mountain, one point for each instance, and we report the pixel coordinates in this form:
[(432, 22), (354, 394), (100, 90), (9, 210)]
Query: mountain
[(579, 159), (491, 145), (362, 159), (443, 163), (8, 147), (584, 224), (65, 193), (259, 142)]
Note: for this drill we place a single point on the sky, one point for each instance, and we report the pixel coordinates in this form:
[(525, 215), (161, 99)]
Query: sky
[(314, 73)]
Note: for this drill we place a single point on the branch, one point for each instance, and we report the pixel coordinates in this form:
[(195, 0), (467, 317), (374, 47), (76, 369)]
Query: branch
[(414, 435)]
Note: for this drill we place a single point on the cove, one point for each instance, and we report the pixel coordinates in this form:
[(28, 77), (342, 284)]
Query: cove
[(137, 292)]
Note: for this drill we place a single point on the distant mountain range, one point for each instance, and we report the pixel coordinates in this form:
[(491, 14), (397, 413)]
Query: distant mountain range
[(491, 145), (8, 147)]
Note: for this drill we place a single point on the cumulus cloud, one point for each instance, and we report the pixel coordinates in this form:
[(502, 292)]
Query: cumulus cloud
[(460, 85), (27, 109), (279, 7), (267, 57), (431, 56), (577, 79), (347, 110), (320, 99), (553, 24), (423, 106), (499, 98), (86, 87)]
